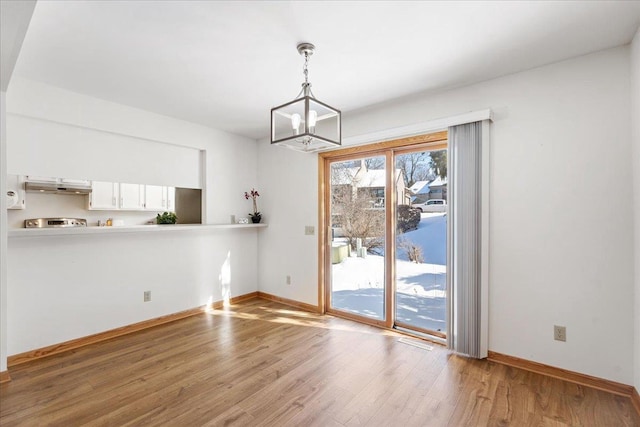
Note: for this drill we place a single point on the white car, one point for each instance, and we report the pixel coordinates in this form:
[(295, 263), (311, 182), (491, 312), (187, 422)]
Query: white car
[(433, 205)]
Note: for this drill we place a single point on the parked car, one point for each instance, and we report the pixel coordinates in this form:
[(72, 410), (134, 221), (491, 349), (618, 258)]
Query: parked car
[(433, 205)]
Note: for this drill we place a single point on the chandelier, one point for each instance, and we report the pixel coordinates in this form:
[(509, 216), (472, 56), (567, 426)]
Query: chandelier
[(306, 124)]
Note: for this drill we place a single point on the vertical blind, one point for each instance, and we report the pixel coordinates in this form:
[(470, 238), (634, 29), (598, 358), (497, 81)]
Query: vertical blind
[(466, 246)]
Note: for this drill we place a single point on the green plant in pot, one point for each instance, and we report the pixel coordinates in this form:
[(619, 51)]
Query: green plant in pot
[(256, 216), (166, 218)]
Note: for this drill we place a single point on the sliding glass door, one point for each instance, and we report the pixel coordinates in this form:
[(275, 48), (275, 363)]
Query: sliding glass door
[(385, 216), (421, 244), (357, 213)]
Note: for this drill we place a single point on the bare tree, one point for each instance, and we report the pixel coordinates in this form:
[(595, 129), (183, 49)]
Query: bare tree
[(352, 210), (374, 162), (414, 167), (353, 213)]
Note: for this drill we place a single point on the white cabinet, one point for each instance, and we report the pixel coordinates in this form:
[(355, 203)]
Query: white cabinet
[(155, 198), (131, 196), (159, 198), (122, 196), (15, 192), (104, 195), (171, 198)]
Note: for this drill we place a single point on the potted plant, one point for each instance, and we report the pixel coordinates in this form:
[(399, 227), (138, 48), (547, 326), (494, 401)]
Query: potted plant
[(256, 216), (166, 218)]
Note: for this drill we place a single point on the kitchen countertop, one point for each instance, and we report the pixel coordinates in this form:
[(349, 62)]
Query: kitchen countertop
[(65, 231)]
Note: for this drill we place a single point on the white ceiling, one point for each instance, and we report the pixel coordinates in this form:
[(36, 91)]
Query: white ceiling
[(225, 64)]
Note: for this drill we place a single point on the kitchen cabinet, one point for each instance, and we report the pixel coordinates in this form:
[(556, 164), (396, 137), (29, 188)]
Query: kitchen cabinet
[(131, 196), (15, 192), (155, 198), (123, 196), (171, 198), (159, 198), (104, 195)]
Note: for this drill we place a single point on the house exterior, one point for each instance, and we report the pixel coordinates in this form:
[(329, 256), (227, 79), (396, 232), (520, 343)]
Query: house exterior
[(438, 188), (364, 182), (422, 191), (419, 192)]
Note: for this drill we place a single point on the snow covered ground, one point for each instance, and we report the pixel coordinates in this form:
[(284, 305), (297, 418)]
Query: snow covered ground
[(357, 283)]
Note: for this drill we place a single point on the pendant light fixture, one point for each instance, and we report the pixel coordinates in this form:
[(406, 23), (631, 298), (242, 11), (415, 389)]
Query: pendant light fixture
[(306, 124)]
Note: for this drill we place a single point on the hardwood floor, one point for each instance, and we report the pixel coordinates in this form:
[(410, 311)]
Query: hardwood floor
[(260, 363)]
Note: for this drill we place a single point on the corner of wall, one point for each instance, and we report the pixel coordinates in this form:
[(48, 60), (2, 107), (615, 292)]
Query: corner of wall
[(3, 234), (635, 147)]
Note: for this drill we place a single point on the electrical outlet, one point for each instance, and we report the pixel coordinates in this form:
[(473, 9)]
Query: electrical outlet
[(309, 230), (288, 280), (559, 333), (147, 296)]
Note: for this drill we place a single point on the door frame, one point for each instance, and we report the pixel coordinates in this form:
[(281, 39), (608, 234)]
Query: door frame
[(431, 141)]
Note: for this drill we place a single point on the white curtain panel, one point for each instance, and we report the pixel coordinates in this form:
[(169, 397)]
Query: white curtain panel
[(467, 239)]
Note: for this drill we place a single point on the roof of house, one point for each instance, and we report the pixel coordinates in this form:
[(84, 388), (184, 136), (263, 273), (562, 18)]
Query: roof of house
[(438, 182), (420, 187), (344, 176), (361, 177), (375, 178)]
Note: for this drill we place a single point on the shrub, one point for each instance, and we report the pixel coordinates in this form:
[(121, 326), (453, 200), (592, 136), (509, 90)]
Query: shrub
[(408, 218), (414, 252)]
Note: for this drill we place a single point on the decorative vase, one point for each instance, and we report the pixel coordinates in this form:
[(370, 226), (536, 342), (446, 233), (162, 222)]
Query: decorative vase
[(256, 219)]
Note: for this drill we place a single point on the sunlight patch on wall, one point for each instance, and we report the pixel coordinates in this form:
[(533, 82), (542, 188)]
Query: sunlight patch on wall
[(225, 280)]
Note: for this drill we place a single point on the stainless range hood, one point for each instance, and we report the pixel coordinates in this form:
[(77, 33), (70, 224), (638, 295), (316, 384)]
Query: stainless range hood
[(57, 188)]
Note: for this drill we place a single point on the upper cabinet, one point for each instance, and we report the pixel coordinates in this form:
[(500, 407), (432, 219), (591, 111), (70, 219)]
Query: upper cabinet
[(15, 192), (131, 196), (171, 198), (123, 196), (155, 197), (104, 195)]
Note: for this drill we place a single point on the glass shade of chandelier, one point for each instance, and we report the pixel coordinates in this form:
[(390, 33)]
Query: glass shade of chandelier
[(306, 124)]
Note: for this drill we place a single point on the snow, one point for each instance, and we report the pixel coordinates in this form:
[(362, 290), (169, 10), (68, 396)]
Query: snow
[(357, 283)]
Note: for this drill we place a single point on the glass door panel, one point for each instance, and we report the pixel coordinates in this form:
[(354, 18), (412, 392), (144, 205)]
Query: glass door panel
[(421, 244), (357, 209)]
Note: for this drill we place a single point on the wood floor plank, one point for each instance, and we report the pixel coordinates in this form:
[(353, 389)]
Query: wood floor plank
[(259, 363)]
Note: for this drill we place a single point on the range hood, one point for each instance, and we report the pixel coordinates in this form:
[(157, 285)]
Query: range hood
[(57, 188)]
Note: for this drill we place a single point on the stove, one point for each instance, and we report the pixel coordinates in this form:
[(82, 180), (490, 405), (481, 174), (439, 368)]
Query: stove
[(54, 222)]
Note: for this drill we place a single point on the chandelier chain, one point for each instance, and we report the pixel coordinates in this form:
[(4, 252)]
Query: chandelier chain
[(306, 70)]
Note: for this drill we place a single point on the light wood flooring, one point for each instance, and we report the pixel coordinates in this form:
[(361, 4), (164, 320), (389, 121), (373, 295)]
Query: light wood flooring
[(262, 363)]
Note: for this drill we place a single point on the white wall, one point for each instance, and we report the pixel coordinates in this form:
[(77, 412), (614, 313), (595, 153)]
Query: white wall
[(635, 130), (230, 166), (289, 189), (71, 150), (3, 234), (81, 285), (65, 287), (560, 140), (14, 21)]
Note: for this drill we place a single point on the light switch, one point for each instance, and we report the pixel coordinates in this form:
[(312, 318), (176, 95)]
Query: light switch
[(309, 230)]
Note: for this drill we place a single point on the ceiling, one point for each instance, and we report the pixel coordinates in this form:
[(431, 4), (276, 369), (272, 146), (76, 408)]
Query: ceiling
[(225, 64)]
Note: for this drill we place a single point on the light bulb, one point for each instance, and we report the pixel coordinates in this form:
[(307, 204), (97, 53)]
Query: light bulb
[(295, 123), (313, 118)]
